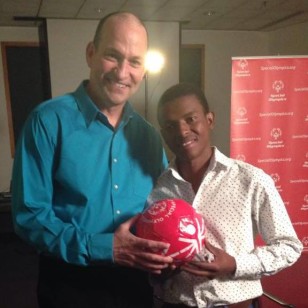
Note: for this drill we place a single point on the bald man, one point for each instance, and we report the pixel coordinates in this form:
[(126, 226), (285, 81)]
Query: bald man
[(84, 165)]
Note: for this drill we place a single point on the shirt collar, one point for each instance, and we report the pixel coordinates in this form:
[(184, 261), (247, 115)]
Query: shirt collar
[(128, 113), (217, 159), (90, 110)]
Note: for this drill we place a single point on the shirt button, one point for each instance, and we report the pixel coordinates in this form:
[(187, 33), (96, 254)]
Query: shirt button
[(118, 212), (116, 186), (115, 160)]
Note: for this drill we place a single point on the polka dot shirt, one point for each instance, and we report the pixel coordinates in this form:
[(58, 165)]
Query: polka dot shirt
[(238, 201)]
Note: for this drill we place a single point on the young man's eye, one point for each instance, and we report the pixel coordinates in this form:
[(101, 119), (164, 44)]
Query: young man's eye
[(168, 127), (192, 119)]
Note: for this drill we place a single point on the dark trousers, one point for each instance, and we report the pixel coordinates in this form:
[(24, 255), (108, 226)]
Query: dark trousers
[(244, 304), (62, 285)]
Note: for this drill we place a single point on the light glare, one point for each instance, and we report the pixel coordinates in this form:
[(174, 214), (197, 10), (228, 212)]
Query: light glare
[(154, 61)]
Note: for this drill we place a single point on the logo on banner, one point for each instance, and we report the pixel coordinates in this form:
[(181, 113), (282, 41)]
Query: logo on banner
[(278, 96), (241, 119), (275, 94), (276, 134), (243, 70), (305, 164), (305, 242), (243, 64), (240, 157), (305, 205), (276, 179), (278, 85)]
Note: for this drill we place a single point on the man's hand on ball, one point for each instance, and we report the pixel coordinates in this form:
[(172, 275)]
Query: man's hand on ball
[(132, 251), (223, 265)]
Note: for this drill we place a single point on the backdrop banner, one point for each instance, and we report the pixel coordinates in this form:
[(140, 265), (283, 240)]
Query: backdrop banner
[(269, 126)]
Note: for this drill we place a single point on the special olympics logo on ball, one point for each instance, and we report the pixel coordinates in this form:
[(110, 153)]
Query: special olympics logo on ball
[(157, 208), (187, 226), (176, 222)]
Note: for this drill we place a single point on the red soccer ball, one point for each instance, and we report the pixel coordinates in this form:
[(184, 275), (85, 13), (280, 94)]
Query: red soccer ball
[(176, 222)]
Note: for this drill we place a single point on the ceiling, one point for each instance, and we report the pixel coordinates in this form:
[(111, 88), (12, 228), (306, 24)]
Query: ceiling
[(249, 15)]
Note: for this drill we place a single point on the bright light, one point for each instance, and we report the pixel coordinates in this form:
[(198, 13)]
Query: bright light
[(154, 61)]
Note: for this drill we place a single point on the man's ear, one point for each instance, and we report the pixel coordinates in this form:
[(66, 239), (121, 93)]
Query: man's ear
[(90, 51), (211, 119)]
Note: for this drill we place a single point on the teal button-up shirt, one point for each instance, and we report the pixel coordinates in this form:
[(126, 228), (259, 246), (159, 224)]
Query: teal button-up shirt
[(76, 178)]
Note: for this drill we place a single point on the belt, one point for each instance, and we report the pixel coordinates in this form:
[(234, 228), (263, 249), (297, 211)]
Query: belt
[(243, 304)]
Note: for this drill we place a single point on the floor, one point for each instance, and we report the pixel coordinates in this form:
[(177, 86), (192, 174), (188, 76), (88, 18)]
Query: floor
[(18, 268)]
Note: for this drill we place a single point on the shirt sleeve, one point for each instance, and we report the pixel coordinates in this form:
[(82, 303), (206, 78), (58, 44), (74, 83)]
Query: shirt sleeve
[(33, 215), (281, 246)]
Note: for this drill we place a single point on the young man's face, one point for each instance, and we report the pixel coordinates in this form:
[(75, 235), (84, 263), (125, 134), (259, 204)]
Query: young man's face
[(185, 127), (117, 63)]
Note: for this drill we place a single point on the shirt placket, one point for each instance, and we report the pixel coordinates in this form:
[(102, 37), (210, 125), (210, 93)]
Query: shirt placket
[(115, 177)]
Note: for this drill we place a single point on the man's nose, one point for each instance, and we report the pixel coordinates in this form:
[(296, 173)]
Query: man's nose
[(122, 69)]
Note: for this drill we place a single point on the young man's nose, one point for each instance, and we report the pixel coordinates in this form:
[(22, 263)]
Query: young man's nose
[(183, 128)]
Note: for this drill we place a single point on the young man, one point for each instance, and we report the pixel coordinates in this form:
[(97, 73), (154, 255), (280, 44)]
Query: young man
[(237, 201), (84, 165)]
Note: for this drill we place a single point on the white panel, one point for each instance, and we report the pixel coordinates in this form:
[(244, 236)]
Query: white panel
[(67, 41), (220, 47), (164, 37)]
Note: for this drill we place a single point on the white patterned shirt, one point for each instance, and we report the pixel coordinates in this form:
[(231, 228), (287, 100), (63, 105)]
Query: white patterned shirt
[(237, 201)]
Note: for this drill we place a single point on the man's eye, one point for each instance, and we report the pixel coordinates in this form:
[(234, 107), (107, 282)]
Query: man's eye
[(111, 56), (136, 63)]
